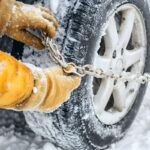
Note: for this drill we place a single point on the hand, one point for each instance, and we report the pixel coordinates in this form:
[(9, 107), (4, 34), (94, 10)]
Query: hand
[(52, 87), (60, 87), (26, 16), (27, 87)]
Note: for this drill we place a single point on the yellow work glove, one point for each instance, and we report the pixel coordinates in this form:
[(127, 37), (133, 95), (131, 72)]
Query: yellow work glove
[(52, 88), (16, 17), (26, 87)]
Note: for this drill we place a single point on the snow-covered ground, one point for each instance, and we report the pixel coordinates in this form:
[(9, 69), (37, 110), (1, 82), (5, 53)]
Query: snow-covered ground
[(138, 137)]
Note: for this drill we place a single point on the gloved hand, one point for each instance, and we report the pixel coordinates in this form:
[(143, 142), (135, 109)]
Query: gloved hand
[(60, 88), (22, 16), (26, 87), (52, 88)]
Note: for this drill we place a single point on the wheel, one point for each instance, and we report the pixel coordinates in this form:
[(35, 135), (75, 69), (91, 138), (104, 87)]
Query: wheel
[(123, 48), (112, 35)]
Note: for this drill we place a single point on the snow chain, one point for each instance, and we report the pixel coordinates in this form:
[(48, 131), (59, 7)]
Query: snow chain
[(71, 68)]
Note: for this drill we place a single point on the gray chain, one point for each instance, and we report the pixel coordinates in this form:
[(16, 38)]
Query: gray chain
[(89, 69)]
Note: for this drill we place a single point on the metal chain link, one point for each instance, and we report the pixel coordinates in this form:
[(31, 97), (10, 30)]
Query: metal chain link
[(71, 68)]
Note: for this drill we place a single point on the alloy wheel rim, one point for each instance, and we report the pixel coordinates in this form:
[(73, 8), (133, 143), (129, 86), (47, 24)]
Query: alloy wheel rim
[(123, 48)]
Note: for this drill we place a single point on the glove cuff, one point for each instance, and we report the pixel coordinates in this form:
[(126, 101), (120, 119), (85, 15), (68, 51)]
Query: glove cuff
[(39, 91), (6, 7)]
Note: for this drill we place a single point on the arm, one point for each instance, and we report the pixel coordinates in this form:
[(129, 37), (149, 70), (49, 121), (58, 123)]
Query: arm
[(26, 87)]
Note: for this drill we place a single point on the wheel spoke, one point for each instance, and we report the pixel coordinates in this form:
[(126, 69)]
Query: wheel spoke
[(102, 62), (103, 95), (111, 38), (132, 57), (119, 95), (126, 28)]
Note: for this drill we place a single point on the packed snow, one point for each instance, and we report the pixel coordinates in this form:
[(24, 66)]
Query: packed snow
[(138, 137)]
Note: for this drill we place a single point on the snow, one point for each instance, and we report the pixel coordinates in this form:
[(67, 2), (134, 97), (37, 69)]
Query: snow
[(21, 143), (9, 84), (35, 90), (29, 8), (2, 64), (54, 5), (138, 137)]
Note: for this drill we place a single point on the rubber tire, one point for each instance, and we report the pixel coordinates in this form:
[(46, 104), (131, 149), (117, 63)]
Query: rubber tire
[(75, 125)]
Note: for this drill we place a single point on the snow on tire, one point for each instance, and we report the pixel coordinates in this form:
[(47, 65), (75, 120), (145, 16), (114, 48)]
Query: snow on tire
[(76, 125)]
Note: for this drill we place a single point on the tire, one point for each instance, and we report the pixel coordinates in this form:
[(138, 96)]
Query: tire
[(74, 125)]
